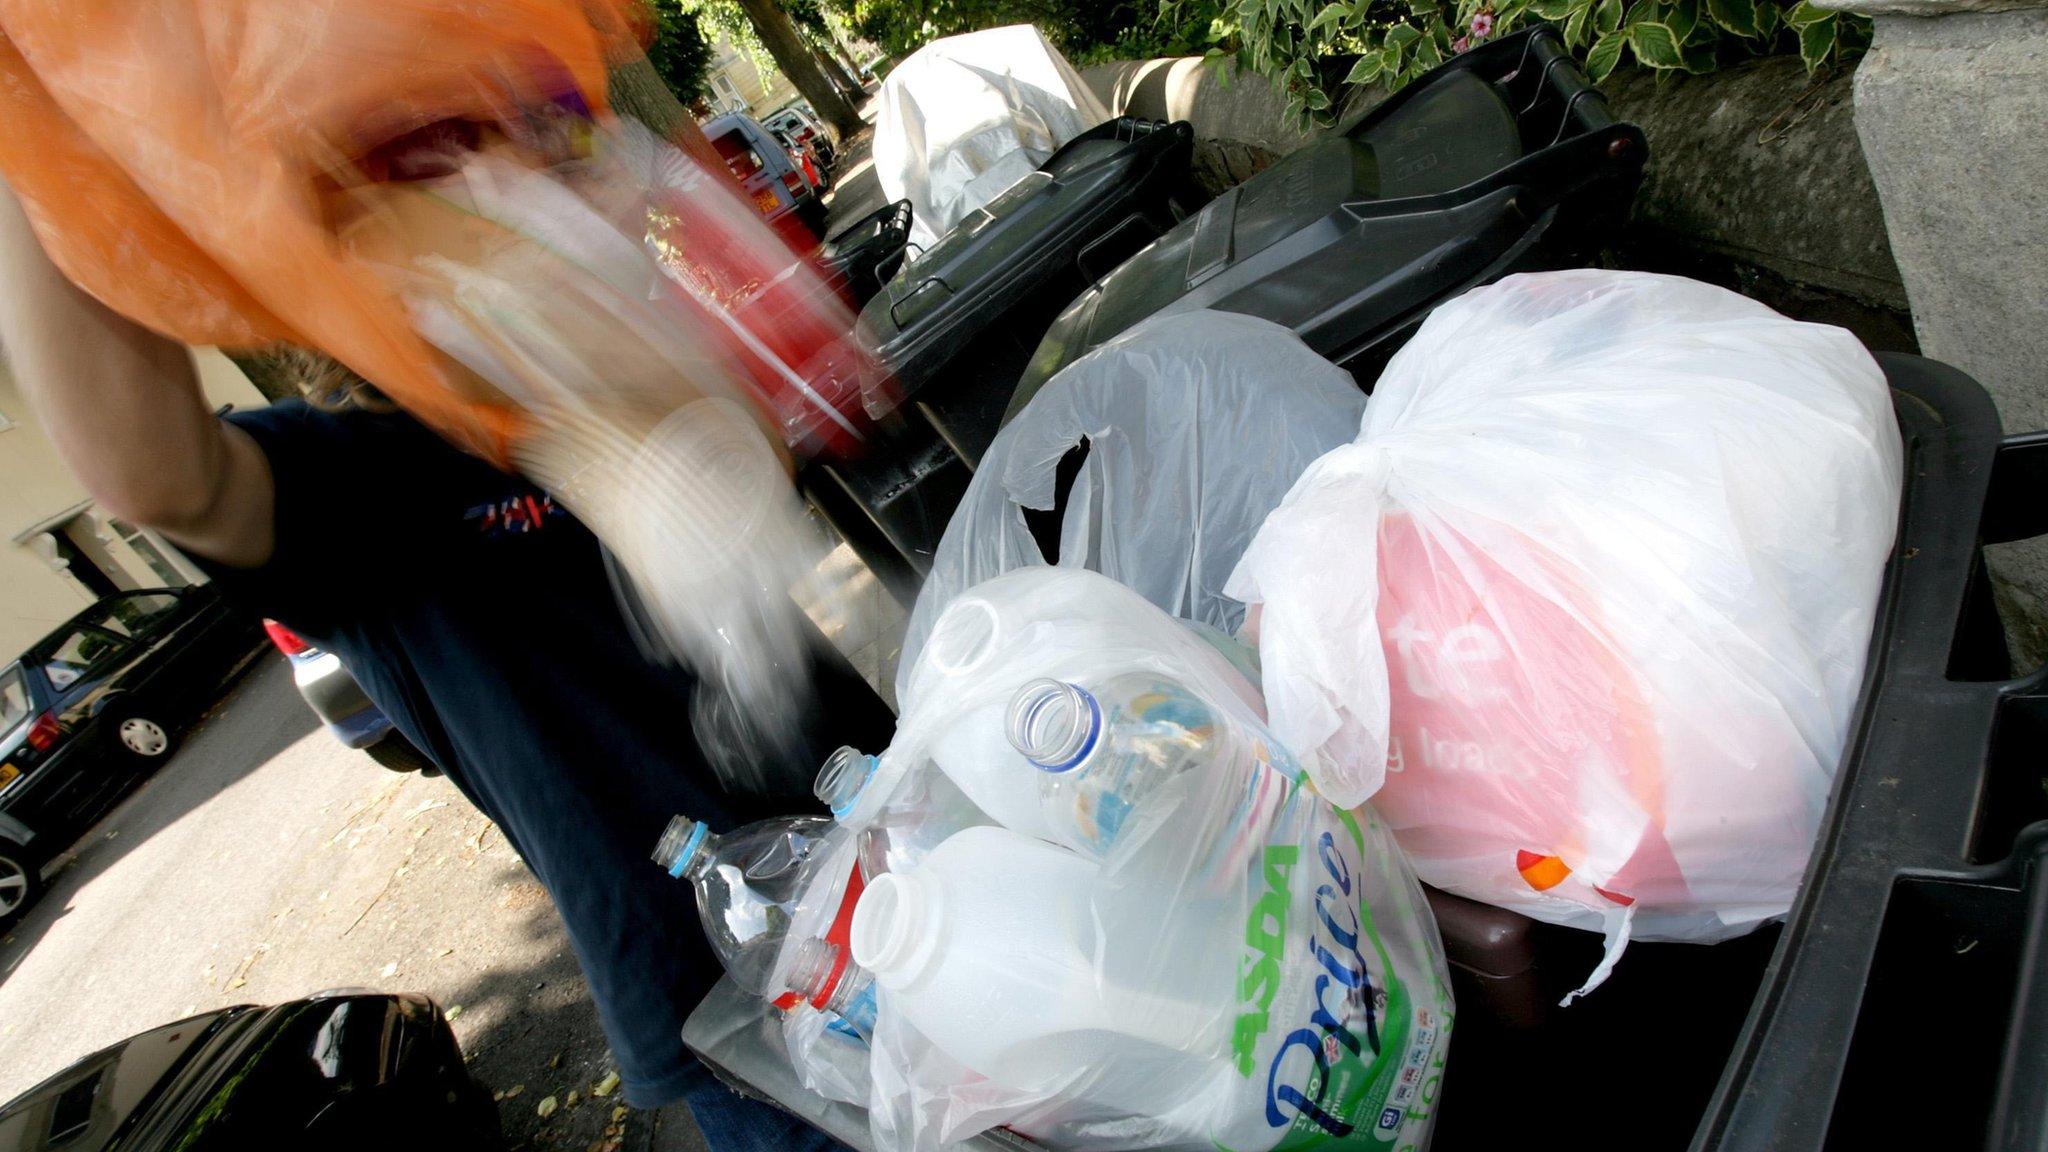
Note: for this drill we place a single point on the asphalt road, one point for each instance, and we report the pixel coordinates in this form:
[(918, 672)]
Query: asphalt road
[(264, 862)]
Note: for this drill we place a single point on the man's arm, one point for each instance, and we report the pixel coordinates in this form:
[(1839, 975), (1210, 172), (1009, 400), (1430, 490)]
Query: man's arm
[(125, 409)]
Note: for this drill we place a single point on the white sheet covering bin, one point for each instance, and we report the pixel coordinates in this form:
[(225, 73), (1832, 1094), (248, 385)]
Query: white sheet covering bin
[(966, 117)]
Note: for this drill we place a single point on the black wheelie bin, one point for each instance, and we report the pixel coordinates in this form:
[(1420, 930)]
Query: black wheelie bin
[(1904, 1000), (862, 256), (949, 334), (1912, 964), (1503, 159)]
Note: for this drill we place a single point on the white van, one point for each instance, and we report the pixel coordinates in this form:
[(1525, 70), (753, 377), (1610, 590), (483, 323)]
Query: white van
[(768, 174)]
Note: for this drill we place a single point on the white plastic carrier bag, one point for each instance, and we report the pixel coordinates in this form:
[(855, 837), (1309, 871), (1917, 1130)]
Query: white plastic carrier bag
[(1164, 937), (965, 117), (1196, 425), (1584, 609)]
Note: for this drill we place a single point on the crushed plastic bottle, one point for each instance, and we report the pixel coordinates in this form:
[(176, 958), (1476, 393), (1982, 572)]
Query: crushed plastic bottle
[(825, 977), (748, 883), (776, 898)]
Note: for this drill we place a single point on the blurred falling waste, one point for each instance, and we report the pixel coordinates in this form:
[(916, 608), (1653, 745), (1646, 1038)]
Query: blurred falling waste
[(438, 195), (644, 421)]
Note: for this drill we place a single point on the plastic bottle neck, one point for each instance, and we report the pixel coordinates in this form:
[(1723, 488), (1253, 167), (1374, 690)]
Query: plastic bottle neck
[(839, 784), (824, 975), (896, 927), (686, 849), (1056, 725)]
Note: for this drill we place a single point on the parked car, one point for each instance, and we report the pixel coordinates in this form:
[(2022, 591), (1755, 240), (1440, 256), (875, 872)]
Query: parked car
[(86, 710), (803, 128), (770, 176), (813, 169), (344, 709), (334, 1071)]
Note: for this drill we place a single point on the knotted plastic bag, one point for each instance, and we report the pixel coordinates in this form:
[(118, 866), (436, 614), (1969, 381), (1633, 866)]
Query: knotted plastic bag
[(1585, 607), (1196, 426), (965, 117)]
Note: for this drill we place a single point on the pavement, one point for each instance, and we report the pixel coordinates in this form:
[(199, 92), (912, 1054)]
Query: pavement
[(855, 191), (265, 861)]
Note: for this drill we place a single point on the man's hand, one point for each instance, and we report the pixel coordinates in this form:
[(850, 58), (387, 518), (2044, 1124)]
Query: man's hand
[(125, 409)]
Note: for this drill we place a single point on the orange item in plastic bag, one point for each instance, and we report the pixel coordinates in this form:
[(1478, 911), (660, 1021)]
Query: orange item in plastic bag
[(179, 158)]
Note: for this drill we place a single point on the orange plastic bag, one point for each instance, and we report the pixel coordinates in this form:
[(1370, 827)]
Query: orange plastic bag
[(435, 193), (183, 160)]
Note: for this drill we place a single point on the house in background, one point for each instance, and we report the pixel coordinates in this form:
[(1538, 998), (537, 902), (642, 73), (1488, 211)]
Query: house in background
[(738, 84), (58, 552)]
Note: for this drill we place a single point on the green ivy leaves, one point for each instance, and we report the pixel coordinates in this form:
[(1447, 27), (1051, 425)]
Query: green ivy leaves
[(1395, 41), (1655, 44), (1736, 17), (1604, 55)]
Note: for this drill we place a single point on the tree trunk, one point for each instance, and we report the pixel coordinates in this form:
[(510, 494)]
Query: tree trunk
[(637, 90), (794, 57), (845, 55), (837, 73)]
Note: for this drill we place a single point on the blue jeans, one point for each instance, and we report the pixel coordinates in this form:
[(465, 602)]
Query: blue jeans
[(731, 1122)]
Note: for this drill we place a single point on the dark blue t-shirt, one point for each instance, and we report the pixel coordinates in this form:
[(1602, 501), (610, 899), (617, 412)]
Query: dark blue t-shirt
[(479, 616)]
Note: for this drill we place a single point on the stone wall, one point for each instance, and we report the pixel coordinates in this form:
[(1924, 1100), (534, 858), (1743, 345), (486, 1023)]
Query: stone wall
[(1951, 106)]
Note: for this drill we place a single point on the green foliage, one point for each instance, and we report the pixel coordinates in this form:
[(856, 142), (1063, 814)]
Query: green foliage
[(1086, 30), (681, 52), (726, 18), (1394, 41)]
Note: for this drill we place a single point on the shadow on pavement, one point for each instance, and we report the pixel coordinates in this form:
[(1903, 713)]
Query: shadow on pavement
[(855, 189), (210, 757), (531, 1034)]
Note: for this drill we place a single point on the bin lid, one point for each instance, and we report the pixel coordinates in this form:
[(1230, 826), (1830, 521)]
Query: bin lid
[(1290, 228), (1018, 243), (856, 260)]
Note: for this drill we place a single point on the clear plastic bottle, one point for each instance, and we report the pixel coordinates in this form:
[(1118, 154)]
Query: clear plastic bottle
[(839, 784), (1142, 739), (749, 884), (824, 975), (926, 807)]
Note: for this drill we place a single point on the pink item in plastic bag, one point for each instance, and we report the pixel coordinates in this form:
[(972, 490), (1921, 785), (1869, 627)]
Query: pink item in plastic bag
[(1504, 702), (1584, 608)]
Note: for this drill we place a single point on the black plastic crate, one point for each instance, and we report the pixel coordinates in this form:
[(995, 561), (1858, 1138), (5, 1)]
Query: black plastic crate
[(1907, 1000)]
